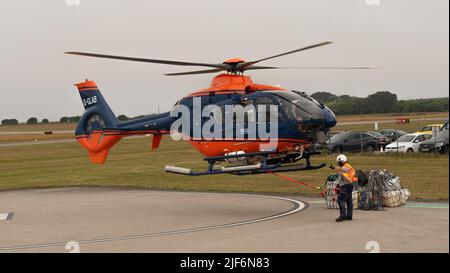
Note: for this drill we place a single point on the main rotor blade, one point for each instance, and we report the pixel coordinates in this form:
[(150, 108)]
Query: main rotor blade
[(265, 67), (222, 66), (245, 65), (309, 67), (195, 72)]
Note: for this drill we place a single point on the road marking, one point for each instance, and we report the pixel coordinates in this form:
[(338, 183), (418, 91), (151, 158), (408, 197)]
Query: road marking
[(427, 205), (69, 140), (298, 206), (36, 133), (16, 144), (6, 216)]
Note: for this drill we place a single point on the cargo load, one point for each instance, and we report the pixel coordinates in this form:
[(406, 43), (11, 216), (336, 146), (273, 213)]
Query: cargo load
[(375, 190)]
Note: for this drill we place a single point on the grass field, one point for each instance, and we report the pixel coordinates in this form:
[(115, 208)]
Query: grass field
[(25, 132), (387, 121), (132, 164)]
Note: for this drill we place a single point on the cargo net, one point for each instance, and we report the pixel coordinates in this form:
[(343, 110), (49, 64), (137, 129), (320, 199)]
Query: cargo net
[(375, 190)]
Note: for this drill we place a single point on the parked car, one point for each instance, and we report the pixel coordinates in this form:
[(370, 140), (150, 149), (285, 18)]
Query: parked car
[(429, 128), (444, 127), (436, 144), (352, 142), (408, 143), (393, 134), (382, 140), (442, 147)]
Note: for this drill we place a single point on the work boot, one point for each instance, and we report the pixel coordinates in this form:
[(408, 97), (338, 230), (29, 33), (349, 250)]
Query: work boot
[(348, 218), (340, 219)]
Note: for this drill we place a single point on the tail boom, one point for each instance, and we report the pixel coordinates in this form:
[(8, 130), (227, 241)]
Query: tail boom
[(98, 129)]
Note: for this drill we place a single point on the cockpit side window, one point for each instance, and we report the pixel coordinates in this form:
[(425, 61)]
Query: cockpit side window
[(264, 103), (241, 114)]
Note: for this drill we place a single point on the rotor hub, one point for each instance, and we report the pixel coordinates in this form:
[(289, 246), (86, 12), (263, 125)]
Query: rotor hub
[(232, 65), (234, 61)]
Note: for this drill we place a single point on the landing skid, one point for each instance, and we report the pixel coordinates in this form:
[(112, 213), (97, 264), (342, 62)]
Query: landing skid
[(290, 168), (262, 167)]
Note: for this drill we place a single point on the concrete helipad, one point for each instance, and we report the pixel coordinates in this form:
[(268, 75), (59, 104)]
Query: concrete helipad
[(123, 220)]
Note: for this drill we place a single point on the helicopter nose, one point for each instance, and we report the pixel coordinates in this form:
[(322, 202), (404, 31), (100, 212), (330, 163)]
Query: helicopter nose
[(330, 118)]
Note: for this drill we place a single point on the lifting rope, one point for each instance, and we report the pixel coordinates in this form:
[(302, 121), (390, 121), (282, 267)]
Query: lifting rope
[(295, 181)]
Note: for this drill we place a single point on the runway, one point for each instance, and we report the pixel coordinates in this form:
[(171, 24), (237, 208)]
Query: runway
[(128, 220)]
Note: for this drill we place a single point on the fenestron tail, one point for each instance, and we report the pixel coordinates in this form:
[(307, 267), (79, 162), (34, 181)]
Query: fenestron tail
[(97, 116)]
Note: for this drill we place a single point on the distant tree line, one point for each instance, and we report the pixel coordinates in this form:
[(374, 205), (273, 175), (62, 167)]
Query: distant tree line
[(11, 121), (125, 118), (31, 121), (379, 103), (76, 119), (65, 119), (73, 119)]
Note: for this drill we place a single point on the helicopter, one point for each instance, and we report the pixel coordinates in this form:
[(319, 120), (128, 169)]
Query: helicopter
[(302, 122)]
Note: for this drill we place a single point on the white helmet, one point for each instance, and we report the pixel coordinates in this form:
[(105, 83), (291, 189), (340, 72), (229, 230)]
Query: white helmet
[(341, 158)]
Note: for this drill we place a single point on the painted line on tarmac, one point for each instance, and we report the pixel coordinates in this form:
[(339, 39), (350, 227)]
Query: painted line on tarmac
[(69, 140), (297, 207), (423, 205), (426, 205), (35, 132), (16, 144)]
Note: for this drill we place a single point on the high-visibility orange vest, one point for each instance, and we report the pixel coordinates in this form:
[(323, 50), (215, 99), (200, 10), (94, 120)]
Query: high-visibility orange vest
[(351, 174)]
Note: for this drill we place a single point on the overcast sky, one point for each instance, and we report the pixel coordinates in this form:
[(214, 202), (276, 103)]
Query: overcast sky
[(407, 39)]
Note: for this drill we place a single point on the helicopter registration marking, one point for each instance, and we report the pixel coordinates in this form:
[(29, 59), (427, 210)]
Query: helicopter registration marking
[(90, 101)]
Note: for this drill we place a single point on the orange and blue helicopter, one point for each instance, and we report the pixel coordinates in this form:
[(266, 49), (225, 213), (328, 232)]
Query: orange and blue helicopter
[(302, 120)]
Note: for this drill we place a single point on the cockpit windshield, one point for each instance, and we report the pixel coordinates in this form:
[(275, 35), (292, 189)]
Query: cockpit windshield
[(299, 106)]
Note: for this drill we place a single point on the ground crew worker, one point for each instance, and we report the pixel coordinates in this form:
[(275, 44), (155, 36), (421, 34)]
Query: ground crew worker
[(347, 176)]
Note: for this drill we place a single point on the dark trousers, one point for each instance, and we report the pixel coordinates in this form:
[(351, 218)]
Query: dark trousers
[(345, 201)]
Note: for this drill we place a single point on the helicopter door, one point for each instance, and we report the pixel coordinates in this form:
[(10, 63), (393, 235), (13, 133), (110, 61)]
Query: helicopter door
[(243, 119), (238, 127), (266, 118)]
